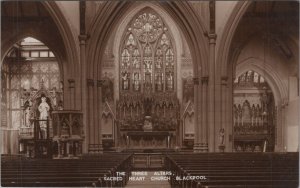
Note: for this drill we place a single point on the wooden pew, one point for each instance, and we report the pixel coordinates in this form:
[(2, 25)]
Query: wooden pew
[(234, 170), (89, 171)]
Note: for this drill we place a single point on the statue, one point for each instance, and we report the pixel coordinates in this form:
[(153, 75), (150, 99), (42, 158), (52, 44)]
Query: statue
[(27, 117), (107, 89), (222, 136), (188, 91), (44, 110)]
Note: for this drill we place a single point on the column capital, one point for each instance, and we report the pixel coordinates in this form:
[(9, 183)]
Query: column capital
[(204, 80), (196, 81), (212, 36), (284, 103), (224, 80), (71, 83), (83, 38), (90, 82)]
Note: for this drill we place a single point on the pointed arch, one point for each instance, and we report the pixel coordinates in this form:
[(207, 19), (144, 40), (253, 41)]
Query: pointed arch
[(67, 55), (278, 87), (228, 34), (147, 52), (113, 14)]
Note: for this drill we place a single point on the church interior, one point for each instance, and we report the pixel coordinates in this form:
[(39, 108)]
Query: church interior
[(205, 91)]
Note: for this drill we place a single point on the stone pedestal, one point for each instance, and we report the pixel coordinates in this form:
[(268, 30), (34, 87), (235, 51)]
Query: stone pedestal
[(221, 148)]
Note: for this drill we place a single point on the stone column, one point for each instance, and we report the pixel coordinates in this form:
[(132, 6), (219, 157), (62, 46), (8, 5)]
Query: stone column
[(90, 112), (211, 93), (204, 113), (180, 134), (229, 115), (82, 40), (197, 122), (281, 134), (224, 115), (98, 130), (72, 93)]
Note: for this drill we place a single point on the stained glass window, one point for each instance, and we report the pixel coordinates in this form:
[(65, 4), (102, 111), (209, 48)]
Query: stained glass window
[(250, 79), (147, 56), (21, 75)]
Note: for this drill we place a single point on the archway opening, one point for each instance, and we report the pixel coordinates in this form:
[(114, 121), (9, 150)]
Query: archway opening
[(147, 74), (254, 114), (263, 42), (30, 74)]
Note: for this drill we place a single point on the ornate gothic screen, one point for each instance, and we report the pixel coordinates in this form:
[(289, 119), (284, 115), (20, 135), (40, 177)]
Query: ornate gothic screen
[(254, 112), (147, 59)]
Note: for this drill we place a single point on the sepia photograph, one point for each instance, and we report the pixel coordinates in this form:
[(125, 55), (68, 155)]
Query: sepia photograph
[(150, 94)]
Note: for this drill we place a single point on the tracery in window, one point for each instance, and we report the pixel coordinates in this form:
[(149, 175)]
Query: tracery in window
[(23, 77), (147, 56), (250, 79)]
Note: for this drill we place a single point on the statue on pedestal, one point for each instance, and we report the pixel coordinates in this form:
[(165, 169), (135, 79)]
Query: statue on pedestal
[(222, 139), (44, 110), (222, 136)]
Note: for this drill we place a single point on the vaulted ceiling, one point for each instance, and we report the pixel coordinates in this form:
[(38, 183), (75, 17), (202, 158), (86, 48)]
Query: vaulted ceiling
[(276, 23), (29, 19), (23, 11)]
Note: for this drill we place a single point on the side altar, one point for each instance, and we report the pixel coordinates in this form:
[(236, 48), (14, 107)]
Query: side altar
[(48, 131), (68, 134)]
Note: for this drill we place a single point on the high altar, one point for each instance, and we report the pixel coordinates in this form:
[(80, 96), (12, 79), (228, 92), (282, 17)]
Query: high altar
[(152, 123)]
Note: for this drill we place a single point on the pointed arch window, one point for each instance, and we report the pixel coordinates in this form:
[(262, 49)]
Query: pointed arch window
[(22, 76), (147, 56)]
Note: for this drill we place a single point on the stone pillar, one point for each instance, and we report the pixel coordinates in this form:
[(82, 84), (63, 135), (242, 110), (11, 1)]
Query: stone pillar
[(277, 117), (211, 93), (82, 40), (229, 142), (180, 133), (204, 113), (95, 113), (98, 130), (224, 114), (219, 104), (197, 135), (72, 93), (90, 112), (281, 127)]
